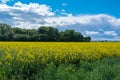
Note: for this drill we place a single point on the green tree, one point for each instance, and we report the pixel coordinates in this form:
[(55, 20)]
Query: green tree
[(43, 30), (78, 37), (42, 34), (71, 35), (21, 37), (4, 28), (87, 39), (52, 33), (6, 33), (19, 31)]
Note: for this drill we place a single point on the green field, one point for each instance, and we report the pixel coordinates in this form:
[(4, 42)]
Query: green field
[(59, 61)]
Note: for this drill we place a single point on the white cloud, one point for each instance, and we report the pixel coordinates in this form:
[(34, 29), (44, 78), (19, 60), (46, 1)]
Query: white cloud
[(4, 1), (112, 33), (92, 32), (115, 22), (4, 7), (29, 25), (42, 10), (64, 4), (63, 12), (97, 20), (35, 13)]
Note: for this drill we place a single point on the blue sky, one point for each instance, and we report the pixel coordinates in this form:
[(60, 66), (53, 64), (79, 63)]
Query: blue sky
[(77, 7), (99, 19)]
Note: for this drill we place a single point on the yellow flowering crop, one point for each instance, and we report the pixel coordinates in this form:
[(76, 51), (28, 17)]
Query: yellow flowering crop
[(57, 52), (21, 59)]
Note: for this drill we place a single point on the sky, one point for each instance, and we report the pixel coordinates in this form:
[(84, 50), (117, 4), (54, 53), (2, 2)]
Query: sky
[(99, 19)]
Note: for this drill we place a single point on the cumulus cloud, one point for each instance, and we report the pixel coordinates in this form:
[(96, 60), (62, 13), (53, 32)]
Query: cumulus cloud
[(93, 20), (42, 10), (25, 15), (34, 15), (112, 33), (4, 1), (92, 32)]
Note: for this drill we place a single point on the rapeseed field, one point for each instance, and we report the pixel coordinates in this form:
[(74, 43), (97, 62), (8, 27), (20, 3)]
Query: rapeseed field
[(59, 61)]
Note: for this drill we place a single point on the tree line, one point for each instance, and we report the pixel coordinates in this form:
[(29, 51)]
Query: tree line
[(7, 33)]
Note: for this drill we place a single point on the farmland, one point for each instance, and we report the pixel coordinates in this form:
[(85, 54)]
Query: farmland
[(60, 60)]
